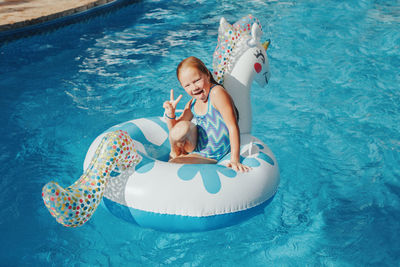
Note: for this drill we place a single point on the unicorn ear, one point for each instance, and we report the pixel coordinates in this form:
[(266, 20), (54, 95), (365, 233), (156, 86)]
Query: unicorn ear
[(222, 21), (224, 27), (255, 34)]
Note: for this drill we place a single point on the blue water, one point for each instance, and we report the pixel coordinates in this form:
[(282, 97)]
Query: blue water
[(330, 114)]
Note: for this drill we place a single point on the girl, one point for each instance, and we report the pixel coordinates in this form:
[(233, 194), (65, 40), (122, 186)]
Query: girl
[(214, 112)]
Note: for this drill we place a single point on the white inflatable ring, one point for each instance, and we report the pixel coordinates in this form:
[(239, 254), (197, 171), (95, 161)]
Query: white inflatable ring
[(128, 164), (186, 197)]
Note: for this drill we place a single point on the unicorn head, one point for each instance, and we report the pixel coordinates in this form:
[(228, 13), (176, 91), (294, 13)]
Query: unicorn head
[(240, 58), (240, 42)]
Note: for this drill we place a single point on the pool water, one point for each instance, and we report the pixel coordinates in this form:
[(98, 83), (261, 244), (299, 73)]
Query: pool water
[(330, 114)]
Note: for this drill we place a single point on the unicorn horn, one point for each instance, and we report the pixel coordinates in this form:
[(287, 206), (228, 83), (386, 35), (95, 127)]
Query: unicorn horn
[(266, 44)]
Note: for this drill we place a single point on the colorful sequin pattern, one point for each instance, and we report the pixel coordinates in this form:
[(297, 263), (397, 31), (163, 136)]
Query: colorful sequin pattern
[(73, 206), (232, 43)]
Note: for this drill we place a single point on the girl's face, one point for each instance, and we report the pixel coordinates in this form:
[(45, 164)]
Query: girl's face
[(196, 83)]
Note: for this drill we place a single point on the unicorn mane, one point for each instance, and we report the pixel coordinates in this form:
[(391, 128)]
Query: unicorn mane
[(232, 43)]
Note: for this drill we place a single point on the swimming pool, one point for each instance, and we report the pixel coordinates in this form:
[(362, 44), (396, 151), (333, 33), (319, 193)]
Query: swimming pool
[(330, 115)]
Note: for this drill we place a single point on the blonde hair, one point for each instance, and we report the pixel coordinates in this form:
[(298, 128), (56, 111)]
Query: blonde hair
[(194, 62)]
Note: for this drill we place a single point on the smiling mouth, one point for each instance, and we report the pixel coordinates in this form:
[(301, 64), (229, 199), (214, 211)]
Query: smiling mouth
[(197, 92)]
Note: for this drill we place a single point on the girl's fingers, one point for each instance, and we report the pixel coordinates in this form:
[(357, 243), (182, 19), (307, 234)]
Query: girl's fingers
[(169, 110), (238, 167), (174, 103), (167, 105), (232, 166), (246, 168)]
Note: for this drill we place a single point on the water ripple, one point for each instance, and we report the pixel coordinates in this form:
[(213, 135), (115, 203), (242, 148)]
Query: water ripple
[(330, 114)]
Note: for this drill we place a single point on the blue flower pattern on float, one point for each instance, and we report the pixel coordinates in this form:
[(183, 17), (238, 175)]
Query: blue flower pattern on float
[(210, 176), (253, 162)]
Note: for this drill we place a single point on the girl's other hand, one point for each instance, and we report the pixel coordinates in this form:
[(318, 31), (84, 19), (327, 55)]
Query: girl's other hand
[(237, 166)]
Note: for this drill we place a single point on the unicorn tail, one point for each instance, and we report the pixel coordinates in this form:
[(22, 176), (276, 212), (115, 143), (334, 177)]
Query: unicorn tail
[(75, 205)]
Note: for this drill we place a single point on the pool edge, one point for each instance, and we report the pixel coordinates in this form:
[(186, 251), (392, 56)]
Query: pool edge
[(61, 19)]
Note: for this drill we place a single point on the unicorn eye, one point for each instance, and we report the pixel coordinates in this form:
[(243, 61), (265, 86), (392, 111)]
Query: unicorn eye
[(260, 54)]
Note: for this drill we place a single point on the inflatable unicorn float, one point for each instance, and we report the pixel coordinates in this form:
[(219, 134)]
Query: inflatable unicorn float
[(127, 168)]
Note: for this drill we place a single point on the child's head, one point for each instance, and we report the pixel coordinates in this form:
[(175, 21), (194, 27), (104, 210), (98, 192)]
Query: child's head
[(194, 77), (193, 62), (184, 136)]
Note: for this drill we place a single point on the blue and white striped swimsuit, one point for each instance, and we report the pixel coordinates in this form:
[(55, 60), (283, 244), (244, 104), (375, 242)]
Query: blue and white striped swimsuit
[(212, 133)]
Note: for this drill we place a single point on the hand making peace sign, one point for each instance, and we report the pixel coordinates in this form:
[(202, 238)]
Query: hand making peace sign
[(170, 105)]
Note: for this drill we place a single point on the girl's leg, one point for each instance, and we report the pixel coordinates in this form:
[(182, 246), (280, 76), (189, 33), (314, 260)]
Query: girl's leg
[(193, 159)]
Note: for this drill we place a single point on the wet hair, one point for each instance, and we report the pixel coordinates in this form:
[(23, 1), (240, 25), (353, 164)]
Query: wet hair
[(196, 63)]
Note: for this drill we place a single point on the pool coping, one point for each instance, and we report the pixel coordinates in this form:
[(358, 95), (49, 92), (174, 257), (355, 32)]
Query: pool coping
[(55, 20)]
